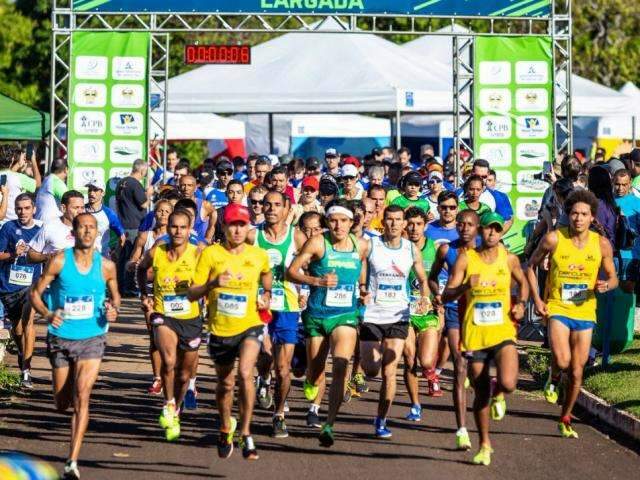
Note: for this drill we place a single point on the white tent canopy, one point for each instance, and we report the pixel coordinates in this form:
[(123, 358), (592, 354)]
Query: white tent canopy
[(321, 125), (589, 99), (316, 73), (196, 126)]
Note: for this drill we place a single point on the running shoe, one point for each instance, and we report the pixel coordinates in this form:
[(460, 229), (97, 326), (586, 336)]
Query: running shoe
[(550, 391), (225, 440), (265, 399), (353, 390), (433, 386), (326, 436), (167, 415), (191, 400), (26, 380), (359, 381), (313, 419), (310, 390), (498, 407), (415, 413), (156, 387), (565, 429), (348, 394), (381, 428), (463, 442), (71, 471), (279, 427), (483, 457), (172, 432), (249, 451)]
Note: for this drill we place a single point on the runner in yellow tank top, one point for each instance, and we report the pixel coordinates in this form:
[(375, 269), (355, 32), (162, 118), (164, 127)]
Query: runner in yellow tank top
[(484, 276), (176, 321), (577, 256)]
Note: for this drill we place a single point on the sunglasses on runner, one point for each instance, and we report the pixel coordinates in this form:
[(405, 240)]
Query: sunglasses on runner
[(256, 202), (448, 207)]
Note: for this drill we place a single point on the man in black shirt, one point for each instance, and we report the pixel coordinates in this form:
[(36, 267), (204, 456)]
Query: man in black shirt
[(132, 201)]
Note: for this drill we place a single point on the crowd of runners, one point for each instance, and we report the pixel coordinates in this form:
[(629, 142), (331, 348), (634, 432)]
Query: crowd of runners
[(379, 263)]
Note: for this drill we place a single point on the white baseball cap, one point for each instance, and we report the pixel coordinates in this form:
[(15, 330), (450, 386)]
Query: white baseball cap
[(331, 152), (97, 184), (349, 170)]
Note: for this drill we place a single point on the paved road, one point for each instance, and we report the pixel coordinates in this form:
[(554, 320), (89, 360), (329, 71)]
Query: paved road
[(124, 441)]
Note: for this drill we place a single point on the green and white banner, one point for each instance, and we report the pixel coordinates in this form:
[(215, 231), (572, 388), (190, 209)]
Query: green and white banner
[(513, 120), (108, 88)]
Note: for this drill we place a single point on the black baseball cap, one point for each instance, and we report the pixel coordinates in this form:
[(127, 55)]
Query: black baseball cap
[(376, 152), (328, 185), (312, 163), (224, 165)]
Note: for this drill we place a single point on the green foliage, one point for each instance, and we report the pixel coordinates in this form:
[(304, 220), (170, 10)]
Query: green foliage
[(195, 151), (538, 363), (9, 382), (619, 383)]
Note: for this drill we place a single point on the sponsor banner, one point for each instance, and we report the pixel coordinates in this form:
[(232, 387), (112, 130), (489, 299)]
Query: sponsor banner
[(108, 110), (513, 118), (493, 8)]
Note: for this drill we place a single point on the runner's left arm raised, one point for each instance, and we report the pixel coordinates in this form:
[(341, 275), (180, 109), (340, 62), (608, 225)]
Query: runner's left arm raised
[(141, 275), (112, 305), (607, 267), (421, 275), (455, 288), (364, 245), (51, 270), (517, 275)]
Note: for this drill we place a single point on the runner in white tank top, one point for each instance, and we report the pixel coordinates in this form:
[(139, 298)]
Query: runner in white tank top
[(386, 318)]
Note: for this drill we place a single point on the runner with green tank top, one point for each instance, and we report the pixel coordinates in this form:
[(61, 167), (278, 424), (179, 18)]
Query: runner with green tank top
[(335, 262), (281, 242), (472, 189), (424, 336)]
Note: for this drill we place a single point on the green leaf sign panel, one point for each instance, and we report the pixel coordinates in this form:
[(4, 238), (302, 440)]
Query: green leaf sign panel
[(108, 108), (513, 120)]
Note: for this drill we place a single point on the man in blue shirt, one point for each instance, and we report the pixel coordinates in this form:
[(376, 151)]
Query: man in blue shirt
[(629, 204), (224, 174), (16, 276), (444, 230)]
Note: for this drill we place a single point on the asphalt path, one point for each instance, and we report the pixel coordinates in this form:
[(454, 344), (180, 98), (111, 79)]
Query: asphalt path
[(125, 442)]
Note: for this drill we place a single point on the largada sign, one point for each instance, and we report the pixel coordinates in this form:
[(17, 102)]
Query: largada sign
[(485, 8)]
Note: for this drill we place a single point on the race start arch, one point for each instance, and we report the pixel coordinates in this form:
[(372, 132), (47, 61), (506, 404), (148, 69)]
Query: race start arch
[(511, 70)]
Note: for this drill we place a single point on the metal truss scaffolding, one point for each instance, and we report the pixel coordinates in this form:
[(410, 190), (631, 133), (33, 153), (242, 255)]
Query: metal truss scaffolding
[(162, 25)]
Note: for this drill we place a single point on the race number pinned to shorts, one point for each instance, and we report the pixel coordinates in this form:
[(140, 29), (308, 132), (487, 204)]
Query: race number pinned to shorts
[(232, 305), (78, 307), (340, 296), (176, 305), (414, 304), (277, 299), (574, 292), (489, 313), (21, 275), (390, 294)]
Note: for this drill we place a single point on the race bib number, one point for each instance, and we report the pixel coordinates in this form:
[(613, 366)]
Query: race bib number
[(340, 296), (232, 305), (487, 313), (78, 308), (574, 292), (176, 305), (389, 294), (414, 305), (21, 275), (277, 299)]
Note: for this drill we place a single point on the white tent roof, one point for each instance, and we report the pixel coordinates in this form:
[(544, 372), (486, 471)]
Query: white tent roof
[(316, 73), (196, 126), (339, 126), (589, 98)]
